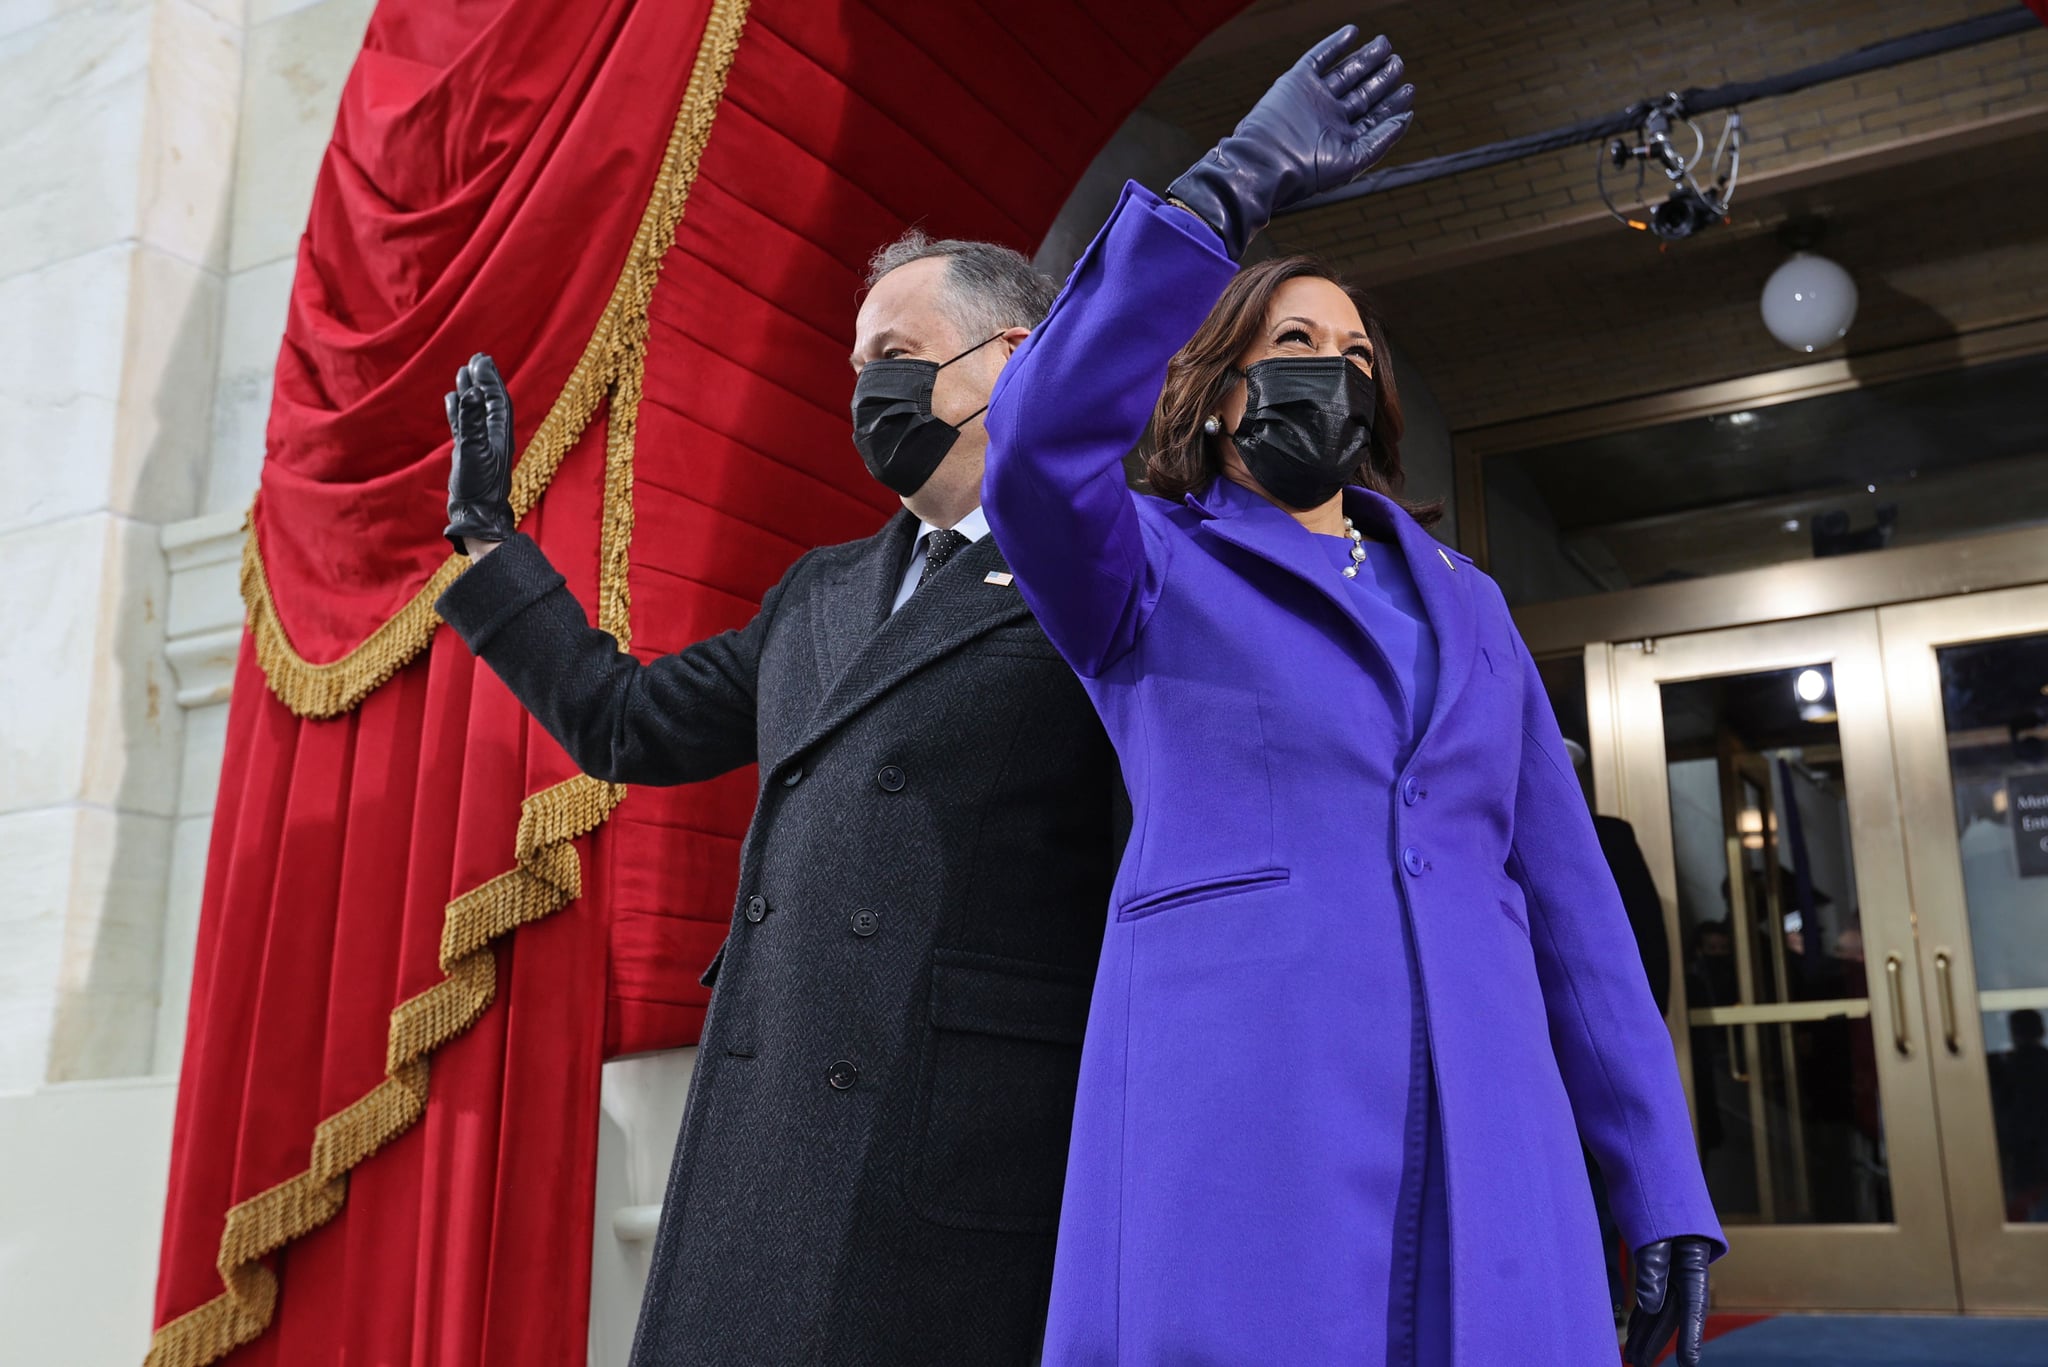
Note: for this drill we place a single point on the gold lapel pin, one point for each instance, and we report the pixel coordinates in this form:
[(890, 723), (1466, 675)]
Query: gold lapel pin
[(1002, 579)]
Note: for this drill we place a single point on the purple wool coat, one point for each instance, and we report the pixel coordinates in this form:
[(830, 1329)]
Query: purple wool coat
[(1223, 1199)]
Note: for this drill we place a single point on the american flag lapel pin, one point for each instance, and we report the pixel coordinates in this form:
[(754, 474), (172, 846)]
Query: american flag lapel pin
[(1002, 579)]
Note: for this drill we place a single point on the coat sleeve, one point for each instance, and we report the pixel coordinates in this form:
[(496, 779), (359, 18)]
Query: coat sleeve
[(1611, 1044), (681, 718), (1069, 406)]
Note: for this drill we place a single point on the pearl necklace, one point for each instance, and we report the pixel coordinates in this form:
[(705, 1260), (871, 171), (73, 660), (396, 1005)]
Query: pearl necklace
[(1357, 549)]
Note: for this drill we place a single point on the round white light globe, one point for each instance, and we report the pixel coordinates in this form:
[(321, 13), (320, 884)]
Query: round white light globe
[(1811, 685), (1809, 302)]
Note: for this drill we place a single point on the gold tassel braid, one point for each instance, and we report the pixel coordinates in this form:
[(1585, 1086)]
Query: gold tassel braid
[(547, 875)]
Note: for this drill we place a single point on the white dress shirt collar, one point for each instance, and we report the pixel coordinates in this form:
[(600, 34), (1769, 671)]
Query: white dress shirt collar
[(974, 527)]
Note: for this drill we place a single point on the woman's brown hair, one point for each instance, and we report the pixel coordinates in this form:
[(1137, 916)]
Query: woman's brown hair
[(1180, 458)]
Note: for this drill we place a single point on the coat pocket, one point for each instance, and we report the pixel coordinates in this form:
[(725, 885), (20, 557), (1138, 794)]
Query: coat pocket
[(1202, 890), (996, 1094)]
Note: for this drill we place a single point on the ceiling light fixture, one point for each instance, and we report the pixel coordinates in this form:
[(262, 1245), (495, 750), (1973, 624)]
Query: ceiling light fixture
[(1809, 302)]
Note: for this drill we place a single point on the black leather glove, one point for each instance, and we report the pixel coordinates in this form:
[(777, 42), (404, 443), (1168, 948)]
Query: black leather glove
[(1671, 1298), (480, 465), (1320, 126)]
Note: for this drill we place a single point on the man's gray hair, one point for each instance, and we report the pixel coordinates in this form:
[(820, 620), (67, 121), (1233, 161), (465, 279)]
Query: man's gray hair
[(989, 288)]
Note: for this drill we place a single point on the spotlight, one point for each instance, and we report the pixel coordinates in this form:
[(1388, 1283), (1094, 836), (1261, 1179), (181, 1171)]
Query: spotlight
[(1811, 685)]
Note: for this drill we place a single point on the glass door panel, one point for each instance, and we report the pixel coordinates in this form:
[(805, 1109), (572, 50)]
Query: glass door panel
[(1969, 681), (1755, 765)]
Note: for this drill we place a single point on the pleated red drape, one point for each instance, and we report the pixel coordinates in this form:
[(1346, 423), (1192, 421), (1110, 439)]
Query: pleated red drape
[(490, 166)]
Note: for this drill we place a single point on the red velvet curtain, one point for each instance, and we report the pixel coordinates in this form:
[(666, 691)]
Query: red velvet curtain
[(490, 165)]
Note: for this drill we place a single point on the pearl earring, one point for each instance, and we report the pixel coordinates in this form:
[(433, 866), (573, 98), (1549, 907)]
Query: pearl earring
[(1211, 425)]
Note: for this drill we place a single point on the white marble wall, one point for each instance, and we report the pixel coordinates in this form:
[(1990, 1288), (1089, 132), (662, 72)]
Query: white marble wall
[(120, 119), (157, 157)]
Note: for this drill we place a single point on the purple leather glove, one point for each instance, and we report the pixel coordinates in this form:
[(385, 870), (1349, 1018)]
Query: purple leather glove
[(1323, 123), (480, 464), (1671, 1298)]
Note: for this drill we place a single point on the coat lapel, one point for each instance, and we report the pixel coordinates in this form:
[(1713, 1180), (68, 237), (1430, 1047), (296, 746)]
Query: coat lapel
[(958, 605), (846, 618), (1250, 522)]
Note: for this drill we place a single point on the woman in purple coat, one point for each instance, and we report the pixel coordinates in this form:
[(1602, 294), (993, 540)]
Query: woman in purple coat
[(1367, 979)]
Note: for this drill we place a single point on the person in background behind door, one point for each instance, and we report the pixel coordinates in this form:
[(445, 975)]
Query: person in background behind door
[(1638, 890), (2019, 1101), (870, 1166), (1653, 944)]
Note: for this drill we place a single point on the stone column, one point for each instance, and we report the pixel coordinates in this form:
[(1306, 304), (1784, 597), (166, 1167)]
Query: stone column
[(118, 163)]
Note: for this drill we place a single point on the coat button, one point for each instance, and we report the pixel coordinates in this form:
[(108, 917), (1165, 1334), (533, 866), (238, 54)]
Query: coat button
[(1412, 860), (1412, 790), (757, 907), (843, 1075), (890, 778), (865, 922), (794, 776)]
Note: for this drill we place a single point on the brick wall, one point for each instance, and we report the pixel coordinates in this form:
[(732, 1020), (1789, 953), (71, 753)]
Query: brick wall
[(1487, 70), (1939, 250)]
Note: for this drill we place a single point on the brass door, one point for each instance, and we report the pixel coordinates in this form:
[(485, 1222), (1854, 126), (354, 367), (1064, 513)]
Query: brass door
[(1968, 684), (1756, 765)]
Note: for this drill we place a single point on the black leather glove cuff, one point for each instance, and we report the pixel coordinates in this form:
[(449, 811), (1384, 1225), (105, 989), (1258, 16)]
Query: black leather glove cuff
[(486, 520)]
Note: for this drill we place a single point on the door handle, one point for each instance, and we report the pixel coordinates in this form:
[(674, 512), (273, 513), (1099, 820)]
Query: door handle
[(1894, 978), (1735, 1072), (1944, 980)]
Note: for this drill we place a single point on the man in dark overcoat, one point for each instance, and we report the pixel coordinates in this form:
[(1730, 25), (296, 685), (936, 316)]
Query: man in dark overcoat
[(871, 1163)]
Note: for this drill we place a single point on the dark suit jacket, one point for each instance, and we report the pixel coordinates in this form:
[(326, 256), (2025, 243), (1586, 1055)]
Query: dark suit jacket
[(871, 1164), (1639, 896)]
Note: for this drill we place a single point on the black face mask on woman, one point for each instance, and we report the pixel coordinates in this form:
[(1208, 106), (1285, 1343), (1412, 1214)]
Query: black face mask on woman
[(898, 438), (1307, 426)]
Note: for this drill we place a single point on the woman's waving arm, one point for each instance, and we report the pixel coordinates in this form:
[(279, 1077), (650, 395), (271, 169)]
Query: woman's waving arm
[(1072, 402)]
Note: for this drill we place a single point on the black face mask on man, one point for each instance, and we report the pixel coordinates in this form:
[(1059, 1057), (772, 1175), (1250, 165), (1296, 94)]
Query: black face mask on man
[(898, 438), (1307, 426)]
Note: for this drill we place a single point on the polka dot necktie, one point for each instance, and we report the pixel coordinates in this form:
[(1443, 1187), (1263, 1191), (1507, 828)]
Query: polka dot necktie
[(940, 545)]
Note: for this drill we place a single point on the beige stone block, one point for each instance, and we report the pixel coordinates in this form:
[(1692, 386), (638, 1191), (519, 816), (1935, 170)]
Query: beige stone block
[(16, 15), (72, 96), (81, 643), (111, 961), (188, 152), (183, 891), (292, 79), (206, 736), (80, 942), (35, 851), (137, 736), (51, 579), (61, 330), (263, 11), (252, 329), (164, 432)]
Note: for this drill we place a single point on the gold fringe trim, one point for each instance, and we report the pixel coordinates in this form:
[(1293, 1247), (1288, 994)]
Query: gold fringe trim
[(547, 874), (617, 350)]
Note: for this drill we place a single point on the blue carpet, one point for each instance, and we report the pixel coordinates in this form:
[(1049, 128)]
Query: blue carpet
[(1881, 1341)]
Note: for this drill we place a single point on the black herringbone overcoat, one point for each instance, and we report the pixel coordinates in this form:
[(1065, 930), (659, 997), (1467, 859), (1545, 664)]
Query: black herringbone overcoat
[(870, 1166)]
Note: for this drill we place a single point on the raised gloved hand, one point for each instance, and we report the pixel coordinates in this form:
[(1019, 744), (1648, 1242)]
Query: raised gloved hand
[(480, 464), (1671, 1298), (1321, 125)]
